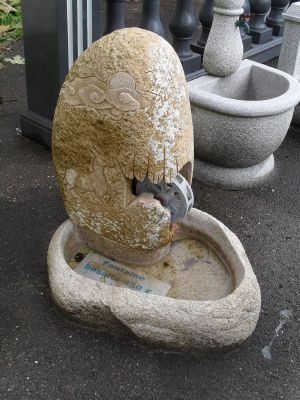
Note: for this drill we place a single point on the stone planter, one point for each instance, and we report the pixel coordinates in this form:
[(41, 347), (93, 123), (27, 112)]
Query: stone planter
[(239, 121), (214, 303)]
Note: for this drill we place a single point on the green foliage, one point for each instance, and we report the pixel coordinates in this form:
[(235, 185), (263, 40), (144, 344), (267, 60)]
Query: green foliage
[(15, 60), (10, 20)]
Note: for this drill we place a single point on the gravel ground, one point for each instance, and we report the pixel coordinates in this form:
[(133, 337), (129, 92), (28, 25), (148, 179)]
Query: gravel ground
[(45, 356)]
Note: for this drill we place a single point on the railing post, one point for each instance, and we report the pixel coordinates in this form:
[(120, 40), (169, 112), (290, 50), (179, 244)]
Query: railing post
[(246, 39), (206, 16), (275, 20), (259, 31), (182, 27), (114, 16), (150, 17)]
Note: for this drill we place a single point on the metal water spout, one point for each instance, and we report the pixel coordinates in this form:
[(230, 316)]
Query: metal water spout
[(224, 49), (242, 23)]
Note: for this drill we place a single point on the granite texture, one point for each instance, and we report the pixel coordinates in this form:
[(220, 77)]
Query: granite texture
[(290, 49), (123, 113), (239, 121), (233, 178), (244, 93), (236, 142), (224, 48), (181, 324)]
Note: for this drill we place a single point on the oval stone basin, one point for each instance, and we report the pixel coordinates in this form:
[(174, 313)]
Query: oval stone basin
[(212, 300)]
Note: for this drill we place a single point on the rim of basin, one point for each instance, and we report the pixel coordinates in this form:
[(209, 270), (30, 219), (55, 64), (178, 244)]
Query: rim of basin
[(236, 259), (199, 96)]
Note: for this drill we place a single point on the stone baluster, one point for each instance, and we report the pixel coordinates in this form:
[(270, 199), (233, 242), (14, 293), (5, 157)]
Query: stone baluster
[(150, 17), (246, 39), (182, 27), (258, 30), (275, 20), (224, 48), (114, 16), (206, 16)]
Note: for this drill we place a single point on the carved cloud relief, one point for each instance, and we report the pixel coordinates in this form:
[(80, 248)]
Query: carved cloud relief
[(119, 98)]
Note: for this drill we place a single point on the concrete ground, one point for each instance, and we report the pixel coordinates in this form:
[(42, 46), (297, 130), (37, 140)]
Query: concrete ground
[(45, 356)]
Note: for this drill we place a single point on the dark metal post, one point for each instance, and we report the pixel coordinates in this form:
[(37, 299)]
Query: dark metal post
[(259, 31), (246, 39), (114, 16), (46, 53), (150, 17), (206, 16), (275, 20), (182, 27)]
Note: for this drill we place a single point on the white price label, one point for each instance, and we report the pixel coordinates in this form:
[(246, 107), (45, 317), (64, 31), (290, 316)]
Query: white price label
[(100, 268)]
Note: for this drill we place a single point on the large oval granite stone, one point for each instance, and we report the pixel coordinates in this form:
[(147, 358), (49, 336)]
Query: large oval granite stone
[(123, 113)]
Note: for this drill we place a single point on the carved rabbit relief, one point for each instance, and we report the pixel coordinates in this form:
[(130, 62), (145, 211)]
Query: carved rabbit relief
[(123, 114)]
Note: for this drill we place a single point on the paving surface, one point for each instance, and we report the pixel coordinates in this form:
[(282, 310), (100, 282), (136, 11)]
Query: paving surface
[(45, 356)]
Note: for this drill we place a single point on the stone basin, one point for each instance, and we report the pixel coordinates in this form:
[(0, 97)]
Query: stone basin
[(239, 121), (213, 303)]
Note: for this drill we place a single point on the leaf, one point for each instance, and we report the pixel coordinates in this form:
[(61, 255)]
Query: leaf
[(6, 8), (15, 60), (5, 28)]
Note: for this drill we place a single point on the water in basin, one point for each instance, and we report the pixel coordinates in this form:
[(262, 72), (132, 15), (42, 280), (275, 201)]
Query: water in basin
[(193, 268)]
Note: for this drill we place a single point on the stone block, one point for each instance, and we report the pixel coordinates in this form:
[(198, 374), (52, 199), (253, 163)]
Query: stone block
[(261, 36)]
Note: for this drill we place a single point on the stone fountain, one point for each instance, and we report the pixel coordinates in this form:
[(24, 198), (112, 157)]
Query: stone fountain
[(134, 255)]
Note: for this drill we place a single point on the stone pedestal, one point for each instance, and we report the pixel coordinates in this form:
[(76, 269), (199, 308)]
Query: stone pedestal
[(261, 36)]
